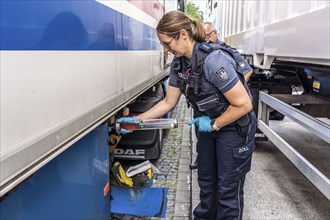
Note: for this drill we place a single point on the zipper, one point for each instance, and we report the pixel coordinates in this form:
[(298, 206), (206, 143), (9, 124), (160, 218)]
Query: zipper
[(206, 102)]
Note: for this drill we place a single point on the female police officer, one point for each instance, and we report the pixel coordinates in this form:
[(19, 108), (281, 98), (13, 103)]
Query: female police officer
[(207, 77)]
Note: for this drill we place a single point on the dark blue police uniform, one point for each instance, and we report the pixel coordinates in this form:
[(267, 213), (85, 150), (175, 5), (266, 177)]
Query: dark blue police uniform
[(224, 156), (240, 61)]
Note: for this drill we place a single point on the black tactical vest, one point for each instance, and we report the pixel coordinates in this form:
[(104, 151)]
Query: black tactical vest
[(202, 95)]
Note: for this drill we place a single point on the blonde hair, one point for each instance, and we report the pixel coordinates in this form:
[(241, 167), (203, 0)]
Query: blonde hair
[(174, 21)]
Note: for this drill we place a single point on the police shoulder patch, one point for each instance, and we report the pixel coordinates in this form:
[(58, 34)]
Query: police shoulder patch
[(222, 74)]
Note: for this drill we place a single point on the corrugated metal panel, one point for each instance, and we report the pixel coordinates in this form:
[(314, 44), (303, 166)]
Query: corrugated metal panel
[(288, 30)]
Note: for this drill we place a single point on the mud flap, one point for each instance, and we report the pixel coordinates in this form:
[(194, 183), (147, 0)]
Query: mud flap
[(149, 202)]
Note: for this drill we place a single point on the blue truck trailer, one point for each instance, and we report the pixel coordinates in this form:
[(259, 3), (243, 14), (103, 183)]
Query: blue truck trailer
[(67, 69)]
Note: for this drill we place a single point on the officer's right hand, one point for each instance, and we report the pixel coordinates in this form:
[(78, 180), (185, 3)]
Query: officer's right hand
[(127, 119), (203, 123)]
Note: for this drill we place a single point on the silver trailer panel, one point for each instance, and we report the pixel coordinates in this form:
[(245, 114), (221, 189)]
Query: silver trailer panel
[(42, 114), (286, 30)]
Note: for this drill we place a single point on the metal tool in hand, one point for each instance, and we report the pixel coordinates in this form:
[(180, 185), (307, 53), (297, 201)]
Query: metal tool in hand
[(149, 124)]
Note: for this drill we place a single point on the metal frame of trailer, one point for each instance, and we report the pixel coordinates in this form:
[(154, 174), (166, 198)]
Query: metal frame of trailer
[(317, 127), (67, 86), (70, 134), (67, 72)]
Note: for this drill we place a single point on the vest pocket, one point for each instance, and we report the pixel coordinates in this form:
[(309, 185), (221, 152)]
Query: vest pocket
[(211, 106), (208, 103)]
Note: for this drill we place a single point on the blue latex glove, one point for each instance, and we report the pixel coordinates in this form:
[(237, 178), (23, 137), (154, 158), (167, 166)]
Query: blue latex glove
[(126, 119), (203, 123)]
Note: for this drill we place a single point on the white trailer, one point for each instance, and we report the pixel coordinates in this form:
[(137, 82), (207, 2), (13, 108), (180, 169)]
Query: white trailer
[(287, 43)]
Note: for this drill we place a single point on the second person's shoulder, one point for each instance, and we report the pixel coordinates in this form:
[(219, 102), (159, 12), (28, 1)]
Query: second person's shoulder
[(214, 54), (217, 58)]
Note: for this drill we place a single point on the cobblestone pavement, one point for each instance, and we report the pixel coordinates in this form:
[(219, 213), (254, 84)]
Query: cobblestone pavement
[(173, 164)]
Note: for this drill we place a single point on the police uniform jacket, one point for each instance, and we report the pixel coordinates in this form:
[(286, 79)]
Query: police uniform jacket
[(203, 80)]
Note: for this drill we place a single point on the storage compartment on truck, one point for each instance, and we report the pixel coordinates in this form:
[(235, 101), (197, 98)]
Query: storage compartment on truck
[(144, 144)]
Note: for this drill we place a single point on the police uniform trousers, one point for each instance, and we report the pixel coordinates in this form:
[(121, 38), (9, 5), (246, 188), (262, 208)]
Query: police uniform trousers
[(224, 158)]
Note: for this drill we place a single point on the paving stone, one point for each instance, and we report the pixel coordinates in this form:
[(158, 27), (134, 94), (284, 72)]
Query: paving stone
[(185, 160), (184, 176), (183, 185), (184, 168), (182, 210)]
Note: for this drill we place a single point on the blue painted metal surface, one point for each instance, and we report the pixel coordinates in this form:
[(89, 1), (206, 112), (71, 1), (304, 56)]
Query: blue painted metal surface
[(69, 187), (141, 202), (70, 25)]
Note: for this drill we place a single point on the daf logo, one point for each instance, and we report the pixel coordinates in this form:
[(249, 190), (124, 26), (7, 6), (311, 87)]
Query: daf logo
[(130, 152)]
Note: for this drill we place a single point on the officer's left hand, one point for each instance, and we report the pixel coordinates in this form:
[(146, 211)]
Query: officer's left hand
[(203, 123)]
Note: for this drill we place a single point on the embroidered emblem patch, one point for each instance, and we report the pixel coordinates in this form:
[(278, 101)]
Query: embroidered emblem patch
[(222, 74), (242, 64)]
